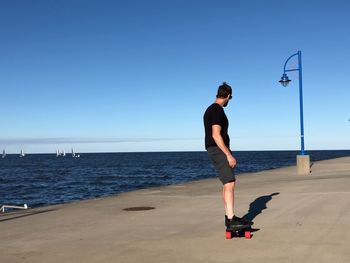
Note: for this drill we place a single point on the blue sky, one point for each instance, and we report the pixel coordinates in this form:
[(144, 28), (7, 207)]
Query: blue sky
[(111, 76)]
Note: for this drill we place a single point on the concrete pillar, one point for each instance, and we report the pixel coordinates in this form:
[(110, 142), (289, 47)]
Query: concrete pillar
[(303, 164)]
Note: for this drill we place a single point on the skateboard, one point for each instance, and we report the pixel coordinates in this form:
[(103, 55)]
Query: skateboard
[(245, 232)]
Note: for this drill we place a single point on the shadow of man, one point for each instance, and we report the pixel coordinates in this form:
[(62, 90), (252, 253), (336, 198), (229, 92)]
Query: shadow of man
[(258, 205)]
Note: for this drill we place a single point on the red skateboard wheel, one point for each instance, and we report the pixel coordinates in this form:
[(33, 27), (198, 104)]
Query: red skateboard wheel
[(247, 234), (228, 235)]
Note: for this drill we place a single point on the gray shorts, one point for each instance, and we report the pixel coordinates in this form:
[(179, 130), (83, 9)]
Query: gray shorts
[(225, 172)]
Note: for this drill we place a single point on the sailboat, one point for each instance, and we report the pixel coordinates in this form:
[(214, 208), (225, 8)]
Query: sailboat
[(74, 155), (57, 153), (3, 154), (22, 153)]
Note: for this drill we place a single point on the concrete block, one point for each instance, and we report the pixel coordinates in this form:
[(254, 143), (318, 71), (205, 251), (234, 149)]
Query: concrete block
[(303, 164)]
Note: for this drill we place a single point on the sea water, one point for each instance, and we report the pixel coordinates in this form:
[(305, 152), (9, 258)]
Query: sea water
[(44, 179)]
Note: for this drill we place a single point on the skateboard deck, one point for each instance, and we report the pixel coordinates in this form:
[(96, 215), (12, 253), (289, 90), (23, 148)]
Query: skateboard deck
[(243, 232)]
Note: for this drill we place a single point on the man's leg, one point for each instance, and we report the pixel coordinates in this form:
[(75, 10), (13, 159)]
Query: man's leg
[(228, 196)]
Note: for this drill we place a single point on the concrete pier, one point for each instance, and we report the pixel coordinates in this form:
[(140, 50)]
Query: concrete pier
[(297, 219)]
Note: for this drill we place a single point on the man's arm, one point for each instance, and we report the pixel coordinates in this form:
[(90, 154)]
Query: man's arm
[(216, 131)]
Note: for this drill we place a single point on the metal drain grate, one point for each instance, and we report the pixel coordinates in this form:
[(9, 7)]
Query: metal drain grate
[(139, 208)]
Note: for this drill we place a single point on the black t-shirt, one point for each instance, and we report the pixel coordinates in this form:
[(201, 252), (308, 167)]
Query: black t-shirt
[(215, 115)]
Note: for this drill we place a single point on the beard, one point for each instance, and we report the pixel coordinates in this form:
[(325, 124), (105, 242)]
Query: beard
[(226, 103)]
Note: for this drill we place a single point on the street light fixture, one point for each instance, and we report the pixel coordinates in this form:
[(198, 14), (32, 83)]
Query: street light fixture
[(303, 161), (284, 80)]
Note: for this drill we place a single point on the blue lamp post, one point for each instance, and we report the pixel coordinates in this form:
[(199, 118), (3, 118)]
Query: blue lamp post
[(285, 81), (303, 161)]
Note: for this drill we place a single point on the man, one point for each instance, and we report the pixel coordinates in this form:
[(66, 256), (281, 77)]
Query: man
[(217, 144)]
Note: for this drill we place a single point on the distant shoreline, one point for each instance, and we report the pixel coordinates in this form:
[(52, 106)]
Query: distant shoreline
[(199, 151)]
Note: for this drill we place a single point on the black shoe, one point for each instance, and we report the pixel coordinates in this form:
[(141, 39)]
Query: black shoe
[(244, 221), (227, 221), (241, 220), (235, 225)]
